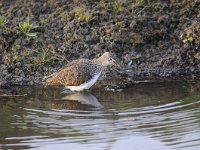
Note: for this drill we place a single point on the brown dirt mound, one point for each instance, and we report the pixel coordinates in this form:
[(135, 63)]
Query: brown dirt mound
[(154, 38)]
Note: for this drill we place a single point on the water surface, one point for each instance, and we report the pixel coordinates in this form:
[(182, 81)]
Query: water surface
[(146, 116)]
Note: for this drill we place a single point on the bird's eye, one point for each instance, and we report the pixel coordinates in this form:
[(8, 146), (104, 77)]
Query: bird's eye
[(110, 58)]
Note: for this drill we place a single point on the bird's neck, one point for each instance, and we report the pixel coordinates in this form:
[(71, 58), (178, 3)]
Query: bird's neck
[(99, 61), (99, 65)]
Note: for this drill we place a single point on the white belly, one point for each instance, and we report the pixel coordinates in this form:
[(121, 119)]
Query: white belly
[(86, 85)]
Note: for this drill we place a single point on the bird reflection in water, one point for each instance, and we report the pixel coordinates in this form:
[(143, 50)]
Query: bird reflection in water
[(76, 101)]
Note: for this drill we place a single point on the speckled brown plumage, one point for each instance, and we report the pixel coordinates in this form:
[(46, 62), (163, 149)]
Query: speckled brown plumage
[(75, 73), (80, 71)]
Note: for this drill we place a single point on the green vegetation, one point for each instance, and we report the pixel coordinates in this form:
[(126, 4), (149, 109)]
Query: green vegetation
[(104, 5), (117, 7), (88, 16), (36, 58), (3, 21), (187, 38), (26, 27), (45, 56), (16, 56), (49, 55), (19, 56), (64, 16), (190, 99), (140, 6), (191, 34), (82, 14), (138, 3)]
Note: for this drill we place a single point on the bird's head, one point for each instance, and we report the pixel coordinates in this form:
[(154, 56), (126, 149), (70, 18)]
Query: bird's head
[(107, 59)]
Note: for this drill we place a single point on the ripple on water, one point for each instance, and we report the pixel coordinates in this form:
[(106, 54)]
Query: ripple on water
[(169, 124)]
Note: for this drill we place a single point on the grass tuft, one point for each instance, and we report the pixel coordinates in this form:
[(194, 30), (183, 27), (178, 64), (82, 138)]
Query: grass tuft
[(82, 14), (26, 27), (3, 21), (118, 7)]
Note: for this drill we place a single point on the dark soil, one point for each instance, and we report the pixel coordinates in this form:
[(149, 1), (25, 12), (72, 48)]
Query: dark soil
[(151, 38)]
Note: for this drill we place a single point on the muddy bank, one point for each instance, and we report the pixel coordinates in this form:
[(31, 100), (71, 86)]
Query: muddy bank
[(150, 38)]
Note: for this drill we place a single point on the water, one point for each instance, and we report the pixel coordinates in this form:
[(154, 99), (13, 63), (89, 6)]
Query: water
[(147, 116)]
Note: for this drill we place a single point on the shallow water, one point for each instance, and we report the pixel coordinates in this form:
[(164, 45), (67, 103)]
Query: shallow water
[(147, 116)]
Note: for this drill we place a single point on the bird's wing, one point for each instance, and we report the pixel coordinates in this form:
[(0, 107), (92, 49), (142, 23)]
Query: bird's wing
[(73, 74)]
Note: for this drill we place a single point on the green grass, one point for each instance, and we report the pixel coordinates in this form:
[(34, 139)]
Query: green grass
[(26, 27), (118, 7), (3, 21), (49, 56), (44, 56), (82, 14)]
